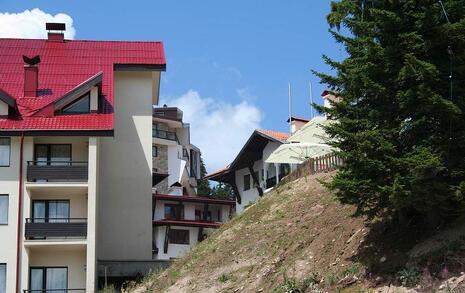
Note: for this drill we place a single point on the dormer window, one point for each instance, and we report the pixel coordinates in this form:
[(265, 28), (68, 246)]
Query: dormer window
[(81, 106)]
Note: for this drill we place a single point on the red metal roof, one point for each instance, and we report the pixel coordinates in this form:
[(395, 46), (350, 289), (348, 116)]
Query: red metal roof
[(63, 66), (199, 199), (187, 223)]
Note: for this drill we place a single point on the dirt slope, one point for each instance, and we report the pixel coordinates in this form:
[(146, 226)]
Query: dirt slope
[(298, 237)]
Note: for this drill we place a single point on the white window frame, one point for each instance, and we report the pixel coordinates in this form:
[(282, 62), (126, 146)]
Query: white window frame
[(9, 151), (7, 208)]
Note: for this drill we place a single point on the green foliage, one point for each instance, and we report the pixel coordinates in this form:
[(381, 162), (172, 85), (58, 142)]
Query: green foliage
[(399, 130), (291, 285), (227, 277), (409, 277), (222, 190), (203, 186)]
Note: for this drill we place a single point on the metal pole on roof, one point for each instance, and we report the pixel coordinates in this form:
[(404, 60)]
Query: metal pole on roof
[(290, 108), (311, 99)]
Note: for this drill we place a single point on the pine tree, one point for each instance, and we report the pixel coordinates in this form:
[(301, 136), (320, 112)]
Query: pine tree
[(223, 190), (399, 127), (203, 186)]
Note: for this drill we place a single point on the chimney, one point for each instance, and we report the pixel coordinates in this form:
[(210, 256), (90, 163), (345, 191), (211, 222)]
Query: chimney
[(31, 76), (55, 31)]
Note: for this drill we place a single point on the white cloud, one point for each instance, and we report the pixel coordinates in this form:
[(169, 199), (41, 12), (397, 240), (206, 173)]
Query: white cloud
[(30, 24), (246, 94), (218, 129)]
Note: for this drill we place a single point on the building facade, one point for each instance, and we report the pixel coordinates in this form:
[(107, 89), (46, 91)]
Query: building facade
[(249, 175), (181, 218), (76, 166)]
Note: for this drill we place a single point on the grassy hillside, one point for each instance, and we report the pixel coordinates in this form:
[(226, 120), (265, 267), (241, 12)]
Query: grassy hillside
[(298, 237)]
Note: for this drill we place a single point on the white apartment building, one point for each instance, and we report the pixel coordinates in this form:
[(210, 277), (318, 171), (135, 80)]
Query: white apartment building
[(181, 217), (76, 168)]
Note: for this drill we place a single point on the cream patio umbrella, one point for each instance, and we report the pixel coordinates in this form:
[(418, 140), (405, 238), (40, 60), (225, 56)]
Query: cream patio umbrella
[(308, 142)]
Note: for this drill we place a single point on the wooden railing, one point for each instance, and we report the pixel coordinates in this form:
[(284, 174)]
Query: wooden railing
[(324, 163), (316, 165)]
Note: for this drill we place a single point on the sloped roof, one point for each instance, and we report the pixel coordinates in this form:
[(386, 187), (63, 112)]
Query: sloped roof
[(64, 66), (250, 152)]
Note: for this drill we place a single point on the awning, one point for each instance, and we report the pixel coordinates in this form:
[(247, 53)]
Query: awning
[(297, 153)]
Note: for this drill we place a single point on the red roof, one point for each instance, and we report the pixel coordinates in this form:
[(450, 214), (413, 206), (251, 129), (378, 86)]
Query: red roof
[(274, 134), (199, 199), (63, 66), (187, 223)]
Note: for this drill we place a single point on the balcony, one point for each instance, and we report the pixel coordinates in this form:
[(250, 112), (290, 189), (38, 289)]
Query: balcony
[(57, 171), (163, 134), (54, 290), (44, 228)]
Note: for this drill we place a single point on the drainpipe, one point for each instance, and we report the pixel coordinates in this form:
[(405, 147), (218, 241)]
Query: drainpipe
[(20, 203)]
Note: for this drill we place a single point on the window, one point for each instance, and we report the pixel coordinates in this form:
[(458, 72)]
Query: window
[(50, 211), (3, 209), (199, 215), (185, 153), (178, 236), (154, 151), (48, 278), (174, 211), (2, 277), (246, 182), (52, 154), (194, 164), (81, 106), (5, 148)]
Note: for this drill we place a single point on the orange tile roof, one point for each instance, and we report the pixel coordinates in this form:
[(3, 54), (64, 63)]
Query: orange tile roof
[(274, 134)]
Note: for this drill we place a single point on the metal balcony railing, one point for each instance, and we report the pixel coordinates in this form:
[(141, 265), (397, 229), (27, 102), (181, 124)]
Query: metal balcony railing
[(163, 134), (54, 290), (57, 171), (43, 228)]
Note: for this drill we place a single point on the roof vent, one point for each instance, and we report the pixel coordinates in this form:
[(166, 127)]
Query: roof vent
[(55, 31), (31, 76)]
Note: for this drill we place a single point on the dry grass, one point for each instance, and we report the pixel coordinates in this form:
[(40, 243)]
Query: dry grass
[(295, 233)]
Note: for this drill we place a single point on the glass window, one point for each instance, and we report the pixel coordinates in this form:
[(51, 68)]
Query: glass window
[(3, 209), (5, 151), (178, 236), (174, 211), (53, 279), (2, 278), (199, 215), (154, 151), (52, 154), (81, 106), (246, 182), (51, 211)]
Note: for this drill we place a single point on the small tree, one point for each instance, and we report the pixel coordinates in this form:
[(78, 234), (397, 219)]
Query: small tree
[(400, 127), (203, 186)]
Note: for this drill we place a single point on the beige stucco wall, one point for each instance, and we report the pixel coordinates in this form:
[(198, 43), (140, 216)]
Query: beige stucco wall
[(9, 185), (74, 258), (125, 173)]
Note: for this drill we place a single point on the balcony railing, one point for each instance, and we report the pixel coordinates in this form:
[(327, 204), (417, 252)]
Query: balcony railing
[(43, 228), (163, 134), (54, 290), (57, 171)]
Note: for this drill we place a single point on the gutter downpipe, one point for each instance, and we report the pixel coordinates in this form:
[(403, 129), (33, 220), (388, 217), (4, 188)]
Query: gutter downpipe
[(20, 202)]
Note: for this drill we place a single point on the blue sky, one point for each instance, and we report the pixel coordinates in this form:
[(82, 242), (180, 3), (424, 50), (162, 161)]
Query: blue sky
[(228, 52)]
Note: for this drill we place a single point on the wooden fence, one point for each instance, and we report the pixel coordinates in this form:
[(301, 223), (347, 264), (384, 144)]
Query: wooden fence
[(325, 163)]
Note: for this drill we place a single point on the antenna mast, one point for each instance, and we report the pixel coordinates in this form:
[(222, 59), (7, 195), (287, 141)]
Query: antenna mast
[(290, 108), (311, 99)]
